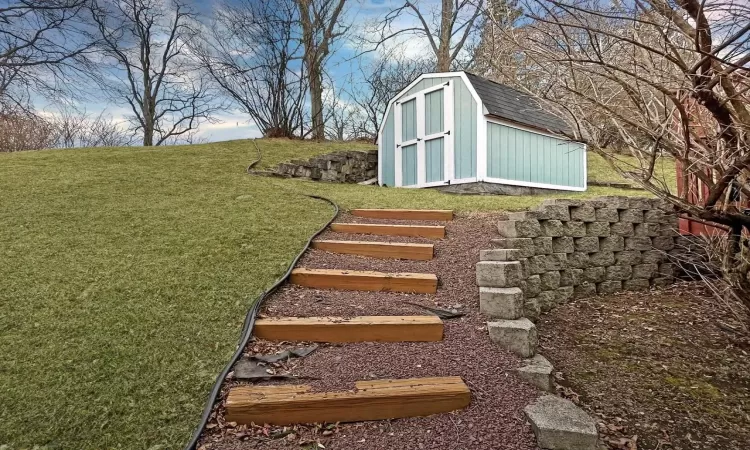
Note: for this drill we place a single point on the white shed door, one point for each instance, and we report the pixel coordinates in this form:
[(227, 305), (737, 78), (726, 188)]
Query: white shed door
[(424, 140)]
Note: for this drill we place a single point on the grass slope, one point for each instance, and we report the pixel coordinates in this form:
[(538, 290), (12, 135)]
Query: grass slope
[(126, 273)]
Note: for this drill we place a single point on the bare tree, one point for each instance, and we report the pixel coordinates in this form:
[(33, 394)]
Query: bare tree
[(21, 130), (321, 26), (665, 79), (448, 29), (493, 54), (43, 45), (73, 128), (144, 43), (254, 53)]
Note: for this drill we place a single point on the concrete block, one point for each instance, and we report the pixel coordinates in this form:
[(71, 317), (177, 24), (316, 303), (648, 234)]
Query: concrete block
[(619, 273), (628, 257), (647, 229), (557, 261), (547, 300), (531, 309), (522, 215), (531, 266), (654, 216), (571, 277), (501, 303), (574, 229), (550, 280), (599, 229), (653, 257), (525, 246), (519, 228), (621, 229), (639, 203), (584, 290), (563, 244), (543, 245), (662, 281), (638, 243), (602, 259), (585, 213), (500, 254), (554, 212), (607, 215), (499, 274), (631, 215), (589, 244), (532, 286), (564, 294), (635, 285), (608, 287), (563, 201), (614, 201), (663, 243), (579, 260), (552, 228), (668, 229), (594, 274), (519, 336), (666, 270), (559, 424), (612, 244), (537, 371), (644, 271)]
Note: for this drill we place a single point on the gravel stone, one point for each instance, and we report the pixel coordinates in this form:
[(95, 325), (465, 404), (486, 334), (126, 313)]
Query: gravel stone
[(550, 280), (553, 228), (607, 215), (543, 245), (525, 246), (619, 273), (587, 244), (579, 260), (631, 215), (612, 244), (602, 259), (594, 274), (608, 287), (622, 229), (628, 257), (563, 244), (571, 277), (519, 228), (647, 229), (585, 213), (600, 229), (574, 229), (644, 271), (638, 243)]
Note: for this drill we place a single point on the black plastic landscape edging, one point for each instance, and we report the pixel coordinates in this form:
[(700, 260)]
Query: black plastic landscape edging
[(247, 327)]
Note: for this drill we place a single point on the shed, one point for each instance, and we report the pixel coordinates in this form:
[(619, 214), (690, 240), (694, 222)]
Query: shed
[(456, 127)]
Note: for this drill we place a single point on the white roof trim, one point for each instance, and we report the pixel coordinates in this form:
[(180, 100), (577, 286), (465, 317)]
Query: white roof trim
[(424, 76)]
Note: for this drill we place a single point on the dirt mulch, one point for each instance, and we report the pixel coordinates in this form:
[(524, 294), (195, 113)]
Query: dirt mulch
[(494, 419), (659, 370)]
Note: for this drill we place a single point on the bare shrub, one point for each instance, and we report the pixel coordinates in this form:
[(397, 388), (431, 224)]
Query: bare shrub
[(22, 130)]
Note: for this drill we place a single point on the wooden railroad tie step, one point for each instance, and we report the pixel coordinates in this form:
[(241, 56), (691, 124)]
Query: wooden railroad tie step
[(353, 280), (355, 329), (405, 214), (377, 249), (426, 231), (371, 400)]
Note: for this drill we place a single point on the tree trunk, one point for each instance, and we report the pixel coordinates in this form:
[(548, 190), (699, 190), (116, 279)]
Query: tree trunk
[(444, 49), (316, 101)]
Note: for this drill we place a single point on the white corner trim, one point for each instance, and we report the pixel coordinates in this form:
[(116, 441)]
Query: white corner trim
[(536, 185), (585, 167)]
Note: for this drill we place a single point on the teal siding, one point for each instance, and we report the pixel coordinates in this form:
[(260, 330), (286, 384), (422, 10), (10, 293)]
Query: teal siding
[(465, 126), (409, 120), (425, 84), (434, 162), (409, 165), (387, 158), (434, 114), (519, 155)]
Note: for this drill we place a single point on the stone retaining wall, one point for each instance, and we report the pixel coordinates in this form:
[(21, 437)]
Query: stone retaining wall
[(342, 167), (572, 248)]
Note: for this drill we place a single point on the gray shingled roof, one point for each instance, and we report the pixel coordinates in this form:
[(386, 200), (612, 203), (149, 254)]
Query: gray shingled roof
[(507, 103)]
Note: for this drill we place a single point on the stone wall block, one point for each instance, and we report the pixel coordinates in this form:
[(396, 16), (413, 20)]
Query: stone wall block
[(531, 309), (619, 273), (594, 274), (501, 303), (557, 261), (532, 266), (563, 244), (550, 280), (584, 213), (666, 270), (499, 274), (638, 243), (519, 228), (571, 277), (631, 215), (579, 260), (647, 229), (539, 262), (553, 228), (543, 245), (663, 243), (636, 285), (612, 244), (653, 257), (587, 244), (564, 294), (607, 215), (639, 203), (602, 259), (614, 201), (644, 271), (554, 212), (531, 286), (574, 229), (599, 229), (629, 257), (608, 287), (584, 290), (518, 336), (662, 281), (500, 254), (525, 246), (547, 300), (622, 229), (654, 216)]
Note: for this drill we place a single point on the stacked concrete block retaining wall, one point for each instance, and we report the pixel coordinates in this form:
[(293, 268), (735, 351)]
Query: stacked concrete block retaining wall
[(341, 167), (576, 248)]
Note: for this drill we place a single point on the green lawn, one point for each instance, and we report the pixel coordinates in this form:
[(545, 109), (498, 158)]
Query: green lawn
[(125, 274)]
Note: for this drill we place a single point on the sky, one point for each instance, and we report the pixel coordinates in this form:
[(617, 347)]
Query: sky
[(343, 67)]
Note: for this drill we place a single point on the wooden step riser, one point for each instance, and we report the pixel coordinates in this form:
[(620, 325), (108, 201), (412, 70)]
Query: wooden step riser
[(357, 329), (426, 231), (404, 214), (365, 281), (382, 250), (246, 405)]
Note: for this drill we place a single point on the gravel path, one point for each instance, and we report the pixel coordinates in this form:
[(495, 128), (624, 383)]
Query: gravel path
[(494, 420)]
